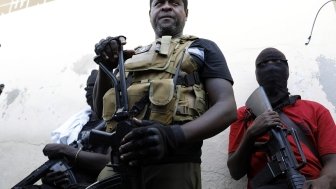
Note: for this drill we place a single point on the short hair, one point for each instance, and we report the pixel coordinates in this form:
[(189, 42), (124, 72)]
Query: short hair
[(185, 2), (90, 85)]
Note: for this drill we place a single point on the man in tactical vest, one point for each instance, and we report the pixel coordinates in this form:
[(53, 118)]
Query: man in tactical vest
[(184, 88), (311, 119)]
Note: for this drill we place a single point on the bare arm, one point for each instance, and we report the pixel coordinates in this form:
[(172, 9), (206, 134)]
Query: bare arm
[(239, 161), (91, 161), (85, 160), (218, 117), (327, 179)]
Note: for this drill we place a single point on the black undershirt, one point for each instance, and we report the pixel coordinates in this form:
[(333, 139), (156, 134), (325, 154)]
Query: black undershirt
[(213, 66)]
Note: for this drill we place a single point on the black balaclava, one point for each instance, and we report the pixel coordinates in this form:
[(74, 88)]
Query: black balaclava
[(273, 76), (89, 87)]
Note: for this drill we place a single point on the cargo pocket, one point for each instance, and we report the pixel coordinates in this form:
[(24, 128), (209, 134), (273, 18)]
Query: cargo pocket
[(161, 95), (186, 101), (191, 104)]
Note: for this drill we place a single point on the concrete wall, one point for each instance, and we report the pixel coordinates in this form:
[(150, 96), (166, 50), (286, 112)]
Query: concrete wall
[(46, 54)]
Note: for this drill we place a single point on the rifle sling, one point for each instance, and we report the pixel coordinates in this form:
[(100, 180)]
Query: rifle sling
[(302, 137), (266, 175)]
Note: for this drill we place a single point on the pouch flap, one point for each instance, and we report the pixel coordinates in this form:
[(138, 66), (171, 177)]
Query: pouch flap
[(161, 91), (165, 44)]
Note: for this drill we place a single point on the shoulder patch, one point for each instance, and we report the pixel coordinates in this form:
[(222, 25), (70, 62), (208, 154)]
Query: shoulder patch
[(142, 49)]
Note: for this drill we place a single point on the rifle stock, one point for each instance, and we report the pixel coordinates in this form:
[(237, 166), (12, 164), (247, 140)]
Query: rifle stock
[(282, 161)]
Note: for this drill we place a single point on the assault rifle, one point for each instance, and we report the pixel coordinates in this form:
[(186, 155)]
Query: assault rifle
[(57, 164), (50, 165), (281, 160), (126, 177)]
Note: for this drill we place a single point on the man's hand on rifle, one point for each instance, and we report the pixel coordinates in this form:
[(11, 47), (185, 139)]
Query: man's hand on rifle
[(107, 51), (263, 123), (150, 141)]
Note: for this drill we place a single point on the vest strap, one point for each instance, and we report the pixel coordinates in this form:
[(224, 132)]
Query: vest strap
[(189, 80), (140, 105)]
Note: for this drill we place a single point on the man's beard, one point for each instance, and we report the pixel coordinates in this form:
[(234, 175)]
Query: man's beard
[(171, 29)]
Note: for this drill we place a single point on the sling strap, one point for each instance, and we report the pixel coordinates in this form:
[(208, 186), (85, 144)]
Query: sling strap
[(189, 80), (302, 136)]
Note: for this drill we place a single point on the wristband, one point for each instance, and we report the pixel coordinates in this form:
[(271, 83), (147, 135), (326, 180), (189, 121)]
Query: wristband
[(77, 153)]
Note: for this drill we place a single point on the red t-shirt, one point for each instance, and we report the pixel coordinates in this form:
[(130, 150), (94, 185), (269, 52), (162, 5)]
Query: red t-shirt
[(312, 117)]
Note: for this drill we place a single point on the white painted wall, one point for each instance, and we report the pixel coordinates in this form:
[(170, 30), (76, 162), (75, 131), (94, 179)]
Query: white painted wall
[(46, 54)]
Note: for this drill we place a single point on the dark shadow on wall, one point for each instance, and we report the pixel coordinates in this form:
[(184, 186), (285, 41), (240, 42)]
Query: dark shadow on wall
[(327, 77), (11, 96), (2, 86)]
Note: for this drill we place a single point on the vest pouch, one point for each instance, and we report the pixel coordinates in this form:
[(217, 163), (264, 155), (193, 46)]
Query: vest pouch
[(136, 92), (191, 103), (201, 103), (109, 108), (161, 95)]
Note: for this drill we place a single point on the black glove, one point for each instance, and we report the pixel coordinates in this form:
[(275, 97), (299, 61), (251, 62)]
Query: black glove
[(107, 50), (150, 141)]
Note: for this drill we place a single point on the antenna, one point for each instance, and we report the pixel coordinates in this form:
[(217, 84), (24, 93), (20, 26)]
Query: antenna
[(311, 32)]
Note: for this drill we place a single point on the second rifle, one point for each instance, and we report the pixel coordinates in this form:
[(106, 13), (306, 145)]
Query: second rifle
[(281, 160)]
